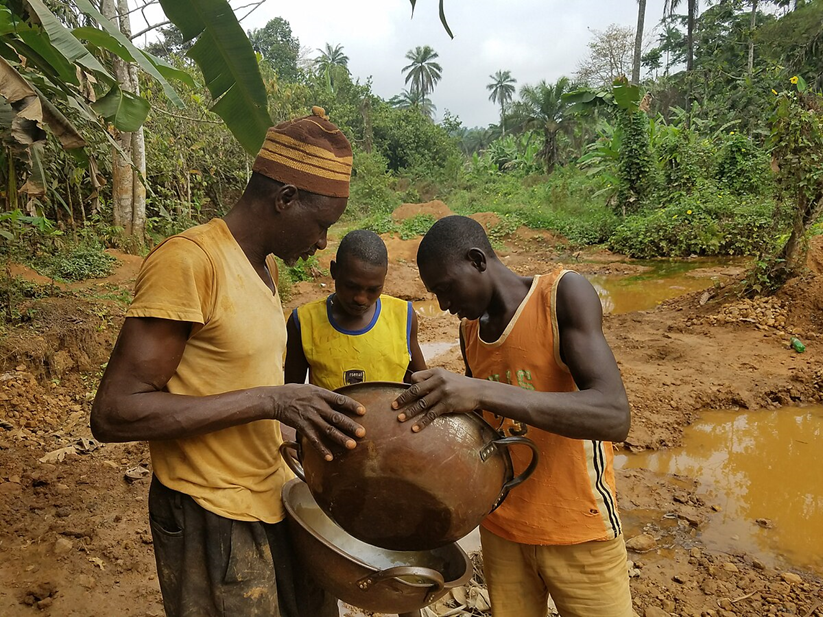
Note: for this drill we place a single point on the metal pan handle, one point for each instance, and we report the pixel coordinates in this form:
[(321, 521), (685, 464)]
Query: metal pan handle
[(505, 442), (431, 576), (291, 460)]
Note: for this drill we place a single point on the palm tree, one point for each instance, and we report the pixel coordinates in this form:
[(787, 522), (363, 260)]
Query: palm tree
[(331, 62), (423, 72), (670, 41), (752, 26), (542, 108), (691, 19), (409, 99), (638, 40), (502, 91)]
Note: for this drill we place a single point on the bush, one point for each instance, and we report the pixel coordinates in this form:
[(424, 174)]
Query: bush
[(741, 165), (378, 223), (704, 223), (305, 270), (507, 225), (284, 282), (413, 144), (85, 260), (15, 292), (683, 158), (416, 225), (371, 191)]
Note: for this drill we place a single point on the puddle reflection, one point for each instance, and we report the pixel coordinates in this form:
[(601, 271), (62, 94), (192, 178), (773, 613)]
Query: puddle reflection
[(663, 281), (427, 308), (755, 465)]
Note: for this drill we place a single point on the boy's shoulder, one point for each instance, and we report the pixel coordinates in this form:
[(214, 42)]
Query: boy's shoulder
[(391, 300), (313, 306)]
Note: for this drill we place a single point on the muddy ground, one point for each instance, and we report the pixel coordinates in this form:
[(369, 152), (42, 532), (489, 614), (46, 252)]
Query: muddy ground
[(74, 538)]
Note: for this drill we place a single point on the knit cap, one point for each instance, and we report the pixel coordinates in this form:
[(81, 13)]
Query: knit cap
[(310, 152)]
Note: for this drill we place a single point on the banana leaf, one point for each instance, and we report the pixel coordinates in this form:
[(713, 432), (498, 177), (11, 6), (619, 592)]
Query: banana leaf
[(32, 106), (7, 21), (123, 109), (138, 56), (442, 11), (65, 42), (229, 66), (31, 44), (100, 38)]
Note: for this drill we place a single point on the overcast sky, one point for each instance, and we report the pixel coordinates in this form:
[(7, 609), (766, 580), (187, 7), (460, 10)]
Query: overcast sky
[(534, 39)]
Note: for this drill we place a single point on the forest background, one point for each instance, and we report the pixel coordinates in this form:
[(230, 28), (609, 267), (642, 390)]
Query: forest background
[(704, 137)]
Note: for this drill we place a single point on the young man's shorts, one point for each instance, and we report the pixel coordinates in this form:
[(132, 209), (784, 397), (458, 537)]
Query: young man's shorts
[(584, 580)]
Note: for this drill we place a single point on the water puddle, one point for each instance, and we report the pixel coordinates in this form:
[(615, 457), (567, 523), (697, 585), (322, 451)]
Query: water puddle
[(432, 350), (663, 280), (755, 465), (427, 308)]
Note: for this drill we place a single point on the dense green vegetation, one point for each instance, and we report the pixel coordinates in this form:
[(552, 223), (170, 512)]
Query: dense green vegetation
[(717, 151)]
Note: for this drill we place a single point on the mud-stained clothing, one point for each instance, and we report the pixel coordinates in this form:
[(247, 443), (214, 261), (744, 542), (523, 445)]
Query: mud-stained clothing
[(211, 566), (215, 505), (338, 357), (583, 580), (558, 533), (238, 341), (570, 498)]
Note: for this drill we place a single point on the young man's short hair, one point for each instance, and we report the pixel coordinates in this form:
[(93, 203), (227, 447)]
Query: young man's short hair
[(450, 238), (364, 245)]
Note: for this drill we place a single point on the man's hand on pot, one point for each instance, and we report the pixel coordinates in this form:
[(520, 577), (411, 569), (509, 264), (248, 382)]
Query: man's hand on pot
[(319, 415), (435, 392)]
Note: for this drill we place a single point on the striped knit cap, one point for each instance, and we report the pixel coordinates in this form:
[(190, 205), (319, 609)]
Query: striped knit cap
[(311, 153)]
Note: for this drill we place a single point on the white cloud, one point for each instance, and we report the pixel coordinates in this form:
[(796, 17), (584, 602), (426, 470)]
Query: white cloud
[(534, 39)]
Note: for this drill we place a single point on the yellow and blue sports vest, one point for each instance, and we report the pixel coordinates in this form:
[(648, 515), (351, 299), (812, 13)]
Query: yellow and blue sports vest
[(337, 357)]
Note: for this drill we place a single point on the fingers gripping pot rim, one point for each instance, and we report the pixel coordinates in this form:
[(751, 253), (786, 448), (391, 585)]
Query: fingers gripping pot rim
[(402, 490)]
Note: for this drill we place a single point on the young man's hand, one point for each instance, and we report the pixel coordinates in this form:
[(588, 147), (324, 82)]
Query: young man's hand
[(436, 392), (319, 415)]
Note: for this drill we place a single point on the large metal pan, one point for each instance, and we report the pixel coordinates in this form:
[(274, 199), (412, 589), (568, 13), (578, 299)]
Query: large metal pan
[(410, 491), (365, 576)]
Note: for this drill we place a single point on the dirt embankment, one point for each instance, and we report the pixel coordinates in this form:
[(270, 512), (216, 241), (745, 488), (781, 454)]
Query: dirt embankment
[(75, 536)]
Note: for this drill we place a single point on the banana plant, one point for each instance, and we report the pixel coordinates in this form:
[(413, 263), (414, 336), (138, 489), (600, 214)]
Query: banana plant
[(442, 12), (65, 61), (59, 64), (45, 65)]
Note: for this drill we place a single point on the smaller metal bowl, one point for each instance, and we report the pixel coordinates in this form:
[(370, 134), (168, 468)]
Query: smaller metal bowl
[(365, 576)]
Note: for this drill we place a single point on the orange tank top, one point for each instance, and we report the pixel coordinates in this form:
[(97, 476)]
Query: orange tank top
[(570, 498)]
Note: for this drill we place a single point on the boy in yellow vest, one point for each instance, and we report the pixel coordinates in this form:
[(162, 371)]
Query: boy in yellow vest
[(535, 355), (357, 333)]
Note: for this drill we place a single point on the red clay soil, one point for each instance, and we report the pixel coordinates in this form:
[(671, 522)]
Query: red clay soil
[(435, 208), (74, 539)]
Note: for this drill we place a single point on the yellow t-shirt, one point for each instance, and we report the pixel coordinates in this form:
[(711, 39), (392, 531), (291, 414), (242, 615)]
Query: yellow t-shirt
[(203, 276), (337, 357)]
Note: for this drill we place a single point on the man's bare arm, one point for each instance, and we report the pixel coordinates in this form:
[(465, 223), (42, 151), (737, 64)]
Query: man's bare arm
[(132, 404), (598, 410)]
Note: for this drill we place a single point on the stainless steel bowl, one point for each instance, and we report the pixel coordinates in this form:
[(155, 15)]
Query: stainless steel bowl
[(365, 576)]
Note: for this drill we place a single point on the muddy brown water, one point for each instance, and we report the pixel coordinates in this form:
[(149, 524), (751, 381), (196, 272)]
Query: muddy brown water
[(754, 465), (663, 280)]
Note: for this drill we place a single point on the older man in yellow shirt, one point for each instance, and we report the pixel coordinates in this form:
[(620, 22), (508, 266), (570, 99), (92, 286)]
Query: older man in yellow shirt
[(197, 372)]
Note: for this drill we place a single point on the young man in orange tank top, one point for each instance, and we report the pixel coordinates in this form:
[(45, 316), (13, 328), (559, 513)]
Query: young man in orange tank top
[(535, 357)]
